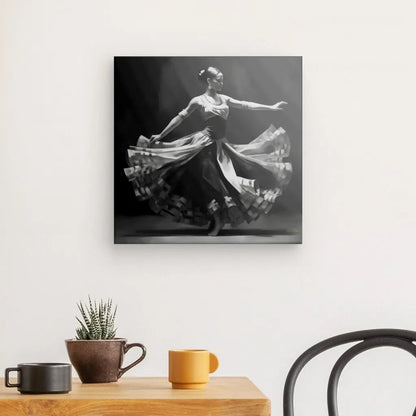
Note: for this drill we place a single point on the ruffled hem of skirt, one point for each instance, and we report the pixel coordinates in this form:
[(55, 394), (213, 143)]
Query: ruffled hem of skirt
[(150, 169)]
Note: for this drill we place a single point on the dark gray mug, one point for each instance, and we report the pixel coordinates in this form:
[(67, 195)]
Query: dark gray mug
[(41, 378)]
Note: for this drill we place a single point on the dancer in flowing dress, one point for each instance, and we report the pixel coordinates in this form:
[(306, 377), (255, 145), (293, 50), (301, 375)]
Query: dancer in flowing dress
[(201, 178)]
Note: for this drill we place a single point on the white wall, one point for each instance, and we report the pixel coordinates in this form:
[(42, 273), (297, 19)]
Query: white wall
[(257, 307)]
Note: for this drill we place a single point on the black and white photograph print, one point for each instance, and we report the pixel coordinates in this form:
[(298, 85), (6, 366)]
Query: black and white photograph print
[(208, 149)]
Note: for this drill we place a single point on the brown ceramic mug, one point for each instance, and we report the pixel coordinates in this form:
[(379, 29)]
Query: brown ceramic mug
[(100, 361)]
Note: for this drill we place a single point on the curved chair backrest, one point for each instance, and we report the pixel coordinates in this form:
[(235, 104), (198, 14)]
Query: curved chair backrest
[(368, 339)]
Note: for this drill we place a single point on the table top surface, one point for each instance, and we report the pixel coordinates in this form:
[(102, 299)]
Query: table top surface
[(147, 388), (223, 396)]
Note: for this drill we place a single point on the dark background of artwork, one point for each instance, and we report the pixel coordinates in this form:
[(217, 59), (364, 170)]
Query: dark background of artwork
[(150, 91)]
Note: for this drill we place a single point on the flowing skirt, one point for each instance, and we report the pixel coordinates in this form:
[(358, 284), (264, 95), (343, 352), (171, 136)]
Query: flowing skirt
[(195, 177)]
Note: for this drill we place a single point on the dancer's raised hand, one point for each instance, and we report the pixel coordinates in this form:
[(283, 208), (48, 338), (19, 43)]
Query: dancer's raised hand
[(278, 106)]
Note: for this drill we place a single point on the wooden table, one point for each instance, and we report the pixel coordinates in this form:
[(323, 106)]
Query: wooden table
[(147, 396)]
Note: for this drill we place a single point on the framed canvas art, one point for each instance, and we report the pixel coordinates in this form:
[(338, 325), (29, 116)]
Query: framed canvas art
[(208, 149)]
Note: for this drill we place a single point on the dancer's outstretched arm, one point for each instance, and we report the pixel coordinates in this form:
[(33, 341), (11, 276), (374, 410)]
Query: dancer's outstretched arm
[(253, 106), (176, 121)]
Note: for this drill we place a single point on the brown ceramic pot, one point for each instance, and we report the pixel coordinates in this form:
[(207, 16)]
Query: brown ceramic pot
[(100, 361)]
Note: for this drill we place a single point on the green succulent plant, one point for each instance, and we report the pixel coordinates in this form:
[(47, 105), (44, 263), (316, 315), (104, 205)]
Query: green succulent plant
[(97, 320)]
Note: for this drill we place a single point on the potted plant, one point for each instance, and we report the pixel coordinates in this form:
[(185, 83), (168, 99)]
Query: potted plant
[(96, 354)]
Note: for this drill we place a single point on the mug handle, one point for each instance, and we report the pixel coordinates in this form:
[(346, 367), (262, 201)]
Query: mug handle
[(6, 377), (213, 362), (141, 358)]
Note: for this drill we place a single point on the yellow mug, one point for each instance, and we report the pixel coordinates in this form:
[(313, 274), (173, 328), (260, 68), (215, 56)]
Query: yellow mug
[(190, 369)]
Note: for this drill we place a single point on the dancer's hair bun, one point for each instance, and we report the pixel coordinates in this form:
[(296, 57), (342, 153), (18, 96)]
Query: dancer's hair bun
[(206, 73)]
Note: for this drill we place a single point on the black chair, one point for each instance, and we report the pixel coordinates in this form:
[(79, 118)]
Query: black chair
[(367, 340)]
